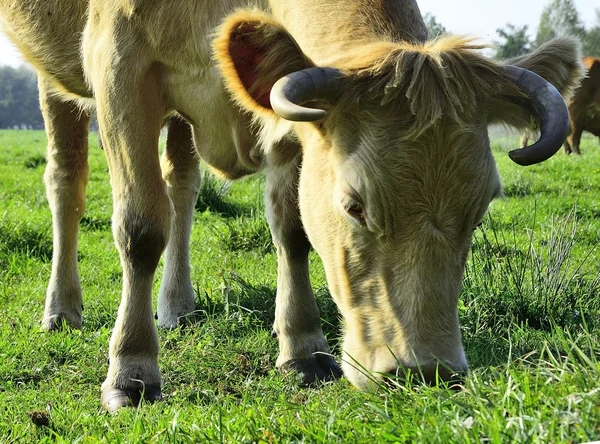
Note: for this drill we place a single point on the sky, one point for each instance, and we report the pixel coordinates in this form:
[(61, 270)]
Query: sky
[(479, 18)]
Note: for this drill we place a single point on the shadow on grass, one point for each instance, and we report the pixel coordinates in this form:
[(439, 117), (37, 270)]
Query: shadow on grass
[(92, 223), (517, 189), (239, 297), (246, 234), (35, 161), (26, 377), (23, 240), (212, 198)]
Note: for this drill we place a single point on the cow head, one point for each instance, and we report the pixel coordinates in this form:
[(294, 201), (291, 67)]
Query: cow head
[(397, 171)]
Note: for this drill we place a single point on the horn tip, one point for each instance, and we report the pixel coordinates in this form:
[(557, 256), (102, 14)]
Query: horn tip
[(517, 157)]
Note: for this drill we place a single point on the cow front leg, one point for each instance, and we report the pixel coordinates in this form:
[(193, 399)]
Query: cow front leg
[(181, 172), (302, 346), (66, 177), (130, 113)]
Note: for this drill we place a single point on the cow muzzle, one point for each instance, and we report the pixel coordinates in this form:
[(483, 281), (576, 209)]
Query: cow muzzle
[(371, 370)]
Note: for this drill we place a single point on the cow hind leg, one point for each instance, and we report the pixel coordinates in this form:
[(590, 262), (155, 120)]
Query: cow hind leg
[(181, 172), (66, 177), (302, 346), (576, 141)]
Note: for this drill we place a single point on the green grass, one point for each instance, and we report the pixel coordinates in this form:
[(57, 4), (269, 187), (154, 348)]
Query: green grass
[(530, 316)]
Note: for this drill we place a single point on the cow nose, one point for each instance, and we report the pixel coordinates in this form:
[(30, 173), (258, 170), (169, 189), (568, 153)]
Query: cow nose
[(431, 373)]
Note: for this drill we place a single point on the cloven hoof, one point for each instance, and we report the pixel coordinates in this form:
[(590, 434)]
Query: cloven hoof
[(115, 398), (322, 368), (185, 320), (58, 322)]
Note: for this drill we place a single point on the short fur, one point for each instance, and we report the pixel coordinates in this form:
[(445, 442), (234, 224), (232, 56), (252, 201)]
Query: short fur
[(446, 77)]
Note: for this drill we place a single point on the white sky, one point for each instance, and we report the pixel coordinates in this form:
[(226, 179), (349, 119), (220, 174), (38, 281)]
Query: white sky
[(480, 18)]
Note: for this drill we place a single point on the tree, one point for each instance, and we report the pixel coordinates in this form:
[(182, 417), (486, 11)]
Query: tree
[(516, 42), (19, 103), (434, 28), (591, 41), (559, 18)]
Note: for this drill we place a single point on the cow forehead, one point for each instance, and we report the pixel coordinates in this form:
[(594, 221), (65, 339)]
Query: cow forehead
[(373, 142), (446, 172)]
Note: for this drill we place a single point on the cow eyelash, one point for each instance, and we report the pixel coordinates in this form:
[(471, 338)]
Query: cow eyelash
[(354, 209)]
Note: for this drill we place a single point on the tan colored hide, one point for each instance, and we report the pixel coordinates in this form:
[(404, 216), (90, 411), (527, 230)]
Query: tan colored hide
[(387, 187)]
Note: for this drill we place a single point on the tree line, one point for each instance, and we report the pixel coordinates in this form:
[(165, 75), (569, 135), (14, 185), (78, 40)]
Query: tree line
[(19, 101), (558, 18)]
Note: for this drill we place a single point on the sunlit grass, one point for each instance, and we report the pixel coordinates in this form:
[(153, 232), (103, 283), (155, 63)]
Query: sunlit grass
[(530, 316)]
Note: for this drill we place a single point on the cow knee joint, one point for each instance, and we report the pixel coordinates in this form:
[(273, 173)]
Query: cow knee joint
[(141, 242)]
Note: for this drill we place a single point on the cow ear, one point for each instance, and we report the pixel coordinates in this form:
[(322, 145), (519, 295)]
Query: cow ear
[(254, 51), (558, 62)]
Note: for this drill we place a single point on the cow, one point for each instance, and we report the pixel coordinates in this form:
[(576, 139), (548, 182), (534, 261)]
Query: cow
[(373, 140), (584, 108)]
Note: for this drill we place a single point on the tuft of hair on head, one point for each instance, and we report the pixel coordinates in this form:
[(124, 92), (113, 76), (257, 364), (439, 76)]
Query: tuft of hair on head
[(443, 78), (558, 61)]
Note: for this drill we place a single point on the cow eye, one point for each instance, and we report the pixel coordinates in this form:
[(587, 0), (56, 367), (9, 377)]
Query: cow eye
[(356, 211)]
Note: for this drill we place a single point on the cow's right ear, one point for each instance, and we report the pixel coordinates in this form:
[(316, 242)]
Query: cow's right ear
[(254, 51), (558, 62)]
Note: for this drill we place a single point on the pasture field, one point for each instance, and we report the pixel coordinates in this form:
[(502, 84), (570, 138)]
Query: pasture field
[(530, 316)]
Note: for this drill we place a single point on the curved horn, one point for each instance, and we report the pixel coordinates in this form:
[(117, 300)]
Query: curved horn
[(297, 88), (550, 112)]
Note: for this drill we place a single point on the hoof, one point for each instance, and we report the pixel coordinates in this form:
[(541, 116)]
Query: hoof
[(115, 398), (182, 320), (320, 369), (59, 321)]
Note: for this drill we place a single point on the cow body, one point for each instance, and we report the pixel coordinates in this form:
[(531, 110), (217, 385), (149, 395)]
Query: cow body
[(585, 106), (388, 186)]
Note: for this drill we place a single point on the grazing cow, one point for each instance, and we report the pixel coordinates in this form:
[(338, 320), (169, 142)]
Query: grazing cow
[(585, 106), (374, 143)]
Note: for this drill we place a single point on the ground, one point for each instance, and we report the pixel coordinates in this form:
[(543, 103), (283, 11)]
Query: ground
[(530, 316)]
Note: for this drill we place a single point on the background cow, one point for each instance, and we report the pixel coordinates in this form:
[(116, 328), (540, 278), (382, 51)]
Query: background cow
[(585, 106), (388, 172)]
